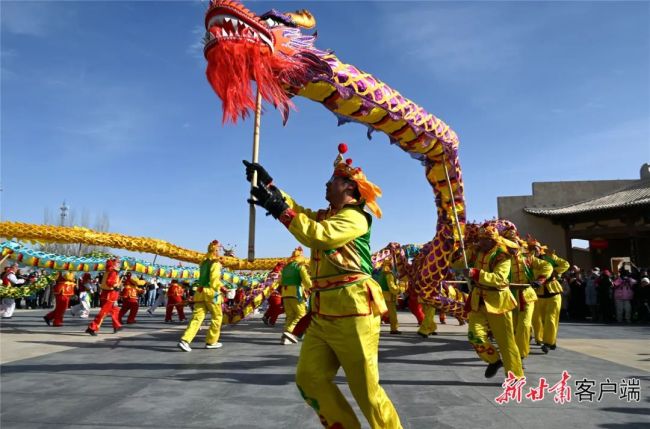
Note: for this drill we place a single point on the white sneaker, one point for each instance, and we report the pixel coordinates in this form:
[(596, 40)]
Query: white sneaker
[(290, 337), (285, 341), (183, 345), (214, 346)]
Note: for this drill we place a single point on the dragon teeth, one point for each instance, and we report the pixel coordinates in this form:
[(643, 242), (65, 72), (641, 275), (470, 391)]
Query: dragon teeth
[(266, 40)]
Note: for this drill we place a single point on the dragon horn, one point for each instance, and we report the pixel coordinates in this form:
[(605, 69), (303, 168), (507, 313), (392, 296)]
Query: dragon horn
[(303, 18)]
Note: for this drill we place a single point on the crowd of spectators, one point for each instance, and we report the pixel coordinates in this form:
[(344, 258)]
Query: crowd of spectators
[(154, 290), (602, 296)]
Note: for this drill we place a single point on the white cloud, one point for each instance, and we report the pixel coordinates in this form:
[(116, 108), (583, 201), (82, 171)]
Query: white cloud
[(110, 119), (196, 47), (28, 18), (456, 40)]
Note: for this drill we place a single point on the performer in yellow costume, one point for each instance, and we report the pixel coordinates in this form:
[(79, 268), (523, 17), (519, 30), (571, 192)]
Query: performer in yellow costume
[(532, 271), (346, 303), (208, 298), (295, 283), (546, 316), (490, 303), (428, 325), (390, 289)]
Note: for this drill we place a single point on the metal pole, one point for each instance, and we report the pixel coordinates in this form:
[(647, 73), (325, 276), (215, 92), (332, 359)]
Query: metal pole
[(256, 148), (453, 206)]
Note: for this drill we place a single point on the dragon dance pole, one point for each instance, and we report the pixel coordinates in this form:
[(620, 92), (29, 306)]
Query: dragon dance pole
[(256, 149), (453, 207), (5, 258)]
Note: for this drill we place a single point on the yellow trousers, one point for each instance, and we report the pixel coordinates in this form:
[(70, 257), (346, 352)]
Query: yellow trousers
[(294, 311), (480, 322), (392, 310), (200, 309), (428, 325), (351, 343), (546, 319), (523, 321)]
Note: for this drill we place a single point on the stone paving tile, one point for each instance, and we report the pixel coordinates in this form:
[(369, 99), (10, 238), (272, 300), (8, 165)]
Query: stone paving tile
[(141, 380)]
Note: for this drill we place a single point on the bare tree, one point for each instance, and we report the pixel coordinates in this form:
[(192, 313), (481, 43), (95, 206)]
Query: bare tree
[(101, 224)]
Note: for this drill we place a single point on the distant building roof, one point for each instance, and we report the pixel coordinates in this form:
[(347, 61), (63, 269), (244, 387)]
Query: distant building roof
[(636, 195)]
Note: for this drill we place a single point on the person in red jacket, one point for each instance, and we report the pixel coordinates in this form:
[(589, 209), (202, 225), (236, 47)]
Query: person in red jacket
[(275, 300), (275, 308), (175, 299), (239, 295), (130, 296), (63, 290), (414, 304), (110, 288)]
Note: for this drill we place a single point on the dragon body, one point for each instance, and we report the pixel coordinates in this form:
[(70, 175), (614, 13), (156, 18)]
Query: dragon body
[(257, 287), (273, 50), (64, 234)]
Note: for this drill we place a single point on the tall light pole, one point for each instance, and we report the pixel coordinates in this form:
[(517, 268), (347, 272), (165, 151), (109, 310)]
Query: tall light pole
[(64, 212)]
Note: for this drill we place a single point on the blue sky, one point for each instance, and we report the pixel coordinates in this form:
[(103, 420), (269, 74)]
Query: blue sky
[(106, 105)]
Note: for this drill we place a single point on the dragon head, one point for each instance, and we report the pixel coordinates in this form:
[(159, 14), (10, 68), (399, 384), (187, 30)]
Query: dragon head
[(270, 49)]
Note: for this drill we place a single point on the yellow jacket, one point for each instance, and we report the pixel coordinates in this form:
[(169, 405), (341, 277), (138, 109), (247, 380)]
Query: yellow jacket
[(389, 287), (340, 264), (291, 290), (553, 286), (210, 293), (131, 288), (526, 269), (492, 289)]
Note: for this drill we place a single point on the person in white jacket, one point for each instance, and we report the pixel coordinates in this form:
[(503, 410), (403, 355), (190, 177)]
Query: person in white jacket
[(82, 310), (9, 279)]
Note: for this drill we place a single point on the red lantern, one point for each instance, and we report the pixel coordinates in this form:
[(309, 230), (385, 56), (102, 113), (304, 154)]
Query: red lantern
[(598, 244)]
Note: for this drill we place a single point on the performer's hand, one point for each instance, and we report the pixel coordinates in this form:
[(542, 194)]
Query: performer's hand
[(263, 177), (269, 198), (536, 284), (471, 273)]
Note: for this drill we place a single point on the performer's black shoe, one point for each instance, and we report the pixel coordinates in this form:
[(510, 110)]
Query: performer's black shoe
[(552, 346), (91, 332), (492, 369), (48, 321), (425, 336), (116, 330), (434, 333), (395, 332), (545, 348)]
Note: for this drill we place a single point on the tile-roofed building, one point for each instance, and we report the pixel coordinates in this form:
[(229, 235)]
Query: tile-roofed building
[(636, 195), (613, 215)]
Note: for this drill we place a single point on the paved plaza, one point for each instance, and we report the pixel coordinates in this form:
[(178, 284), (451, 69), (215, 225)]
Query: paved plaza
[(64, 378)]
